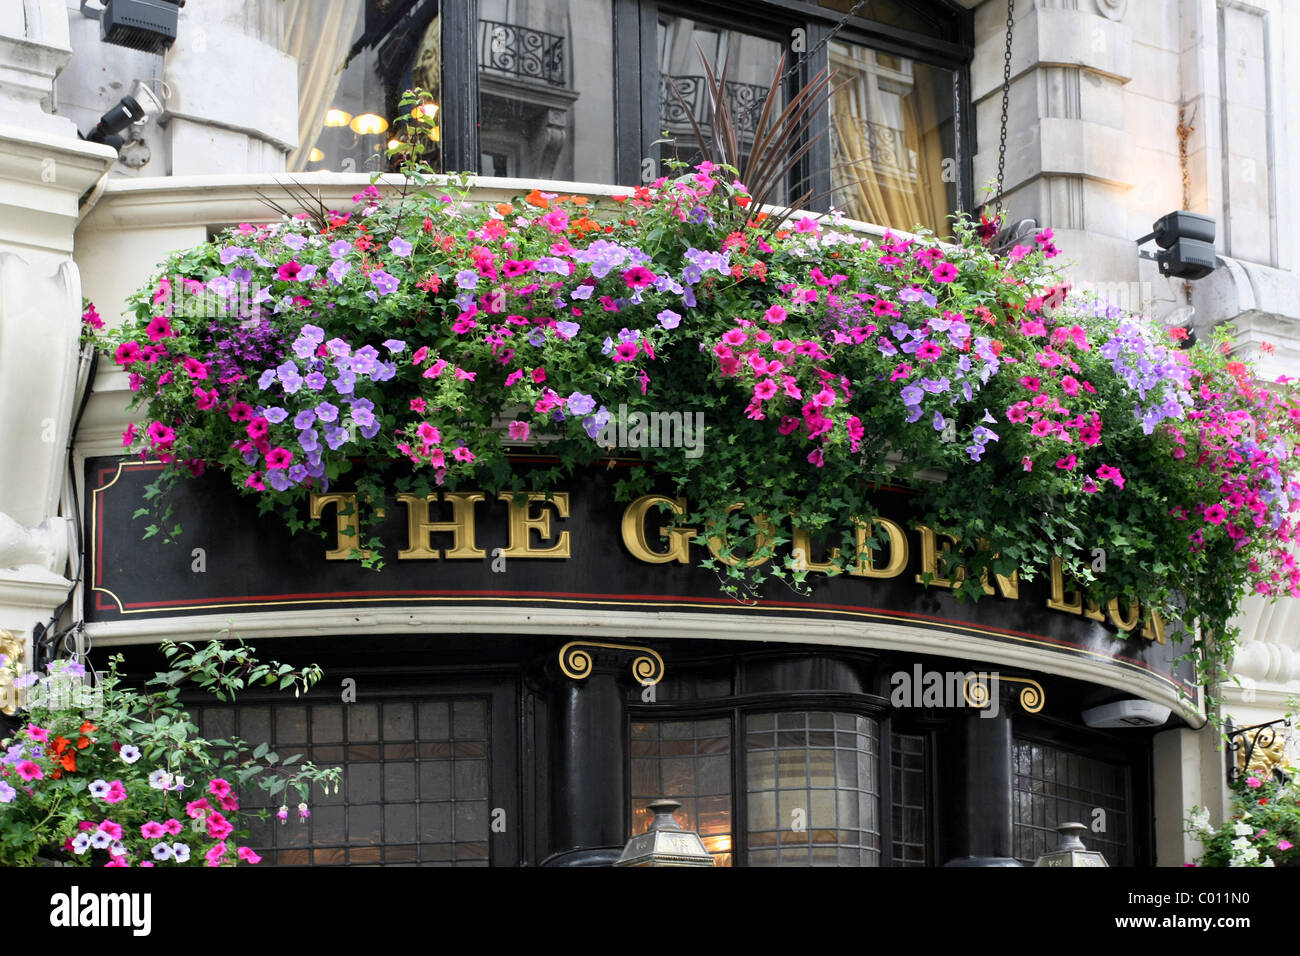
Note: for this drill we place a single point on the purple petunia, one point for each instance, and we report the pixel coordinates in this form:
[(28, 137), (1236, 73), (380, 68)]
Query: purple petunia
[(339, 248), (669, 319), (399, 246), (384, 282), (338, 270)]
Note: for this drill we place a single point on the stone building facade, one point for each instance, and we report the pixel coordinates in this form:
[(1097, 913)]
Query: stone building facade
[(1120, 111)]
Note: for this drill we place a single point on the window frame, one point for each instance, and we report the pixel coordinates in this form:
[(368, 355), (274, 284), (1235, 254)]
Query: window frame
[(636, 98), (735, 709)]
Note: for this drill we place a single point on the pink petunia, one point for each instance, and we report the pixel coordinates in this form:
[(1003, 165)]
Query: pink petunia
[(196, 808), (248, 856), (116, 792), (929, 351), (1067, 463), (462, 454), (29, 771), (113, 830), (775, 314), (1215, 514), (194, 368), (218, 826), (38, 733), (816, 458), (518, 430), (159, 329), (944, 272), (152, 830), (1254, 783), (173, 827), (765, 390), (278, 458), (218, 787), (1284, 844), (626, 352), (420, 354), (215, 855), (241, 412), (1027, 463)]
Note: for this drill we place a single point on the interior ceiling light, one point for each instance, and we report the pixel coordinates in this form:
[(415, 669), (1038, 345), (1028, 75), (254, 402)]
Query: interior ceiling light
[(337, 118), (368, 124), (315, 156)]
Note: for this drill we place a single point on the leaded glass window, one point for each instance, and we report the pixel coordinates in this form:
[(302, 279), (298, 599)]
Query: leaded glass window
[(1055, 786), (813, 791), (689, 761), (415, 785)]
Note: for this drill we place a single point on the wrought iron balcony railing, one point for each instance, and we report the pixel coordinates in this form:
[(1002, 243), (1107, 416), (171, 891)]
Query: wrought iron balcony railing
[(521, 52), (746, 100)]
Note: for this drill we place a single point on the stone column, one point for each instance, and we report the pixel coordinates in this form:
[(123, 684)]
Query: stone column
[(1067, 147), (46, 172)]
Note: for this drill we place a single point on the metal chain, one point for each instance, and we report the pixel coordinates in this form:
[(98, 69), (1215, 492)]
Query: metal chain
[(1006, 99), (803, 57)]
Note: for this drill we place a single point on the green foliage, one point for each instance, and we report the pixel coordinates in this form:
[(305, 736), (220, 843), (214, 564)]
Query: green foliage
[(128, 768)]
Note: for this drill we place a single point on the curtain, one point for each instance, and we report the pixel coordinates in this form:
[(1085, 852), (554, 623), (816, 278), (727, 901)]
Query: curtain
[(318, 36), (888, 163)]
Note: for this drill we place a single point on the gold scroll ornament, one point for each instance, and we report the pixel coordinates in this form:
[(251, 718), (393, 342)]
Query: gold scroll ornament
[(647, 667), (1032, 697), (1269, 752), (11, 650)]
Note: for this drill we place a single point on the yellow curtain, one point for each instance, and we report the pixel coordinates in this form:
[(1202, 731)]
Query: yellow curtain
[(318, 36), (876, 178)]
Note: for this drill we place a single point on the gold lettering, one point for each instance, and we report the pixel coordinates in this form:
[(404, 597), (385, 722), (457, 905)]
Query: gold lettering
[(930, 558), (1153, 629), (460, 527), (1124, 624), (801, 547), (636, 541), (345, 524), (1071, 602), (866, 564), (522, 524), (1009, 586), (718, 542)]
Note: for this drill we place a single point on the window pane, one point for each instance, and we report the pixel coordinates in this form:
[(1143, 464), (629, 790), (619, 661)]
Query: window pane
[(909, 803), (821, 808), (355, 59), (543, 94), (688, 761), (1055, 786), (892, 140), (422, 799), (751, 63)]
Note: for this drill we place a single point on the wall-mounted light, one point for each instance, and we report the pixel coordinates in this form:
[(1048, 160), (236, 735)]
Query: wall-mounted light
[(337, 118), (368, 124)]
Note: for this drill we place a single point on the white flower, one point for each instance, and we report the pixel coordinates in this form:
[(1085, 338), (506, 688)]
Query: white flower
[(181, 852), (1268, 862), (129, 754), (117, 849), (1250, 854), (100, 840), (160, 779), (99, 789), (1200, 820), (81, 843), (161, 851), (1240, 844), (1242, 828)]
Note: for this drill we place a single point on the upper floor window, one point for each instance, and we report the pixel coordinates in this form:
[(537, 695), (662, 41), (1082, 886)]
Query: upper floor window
[(594, 91)]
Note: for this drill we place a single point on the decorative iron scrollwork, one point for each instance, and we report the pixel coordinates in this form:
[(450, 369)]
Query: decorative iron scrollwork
[(519, 51)]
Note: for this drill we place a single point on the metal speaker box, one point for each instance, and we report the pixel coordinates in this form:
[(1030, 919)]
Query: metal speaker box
[(145, 25)]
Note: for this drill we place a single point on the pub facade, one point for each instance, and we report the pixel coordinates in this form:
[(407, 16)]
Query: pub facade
[(527, 673)]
